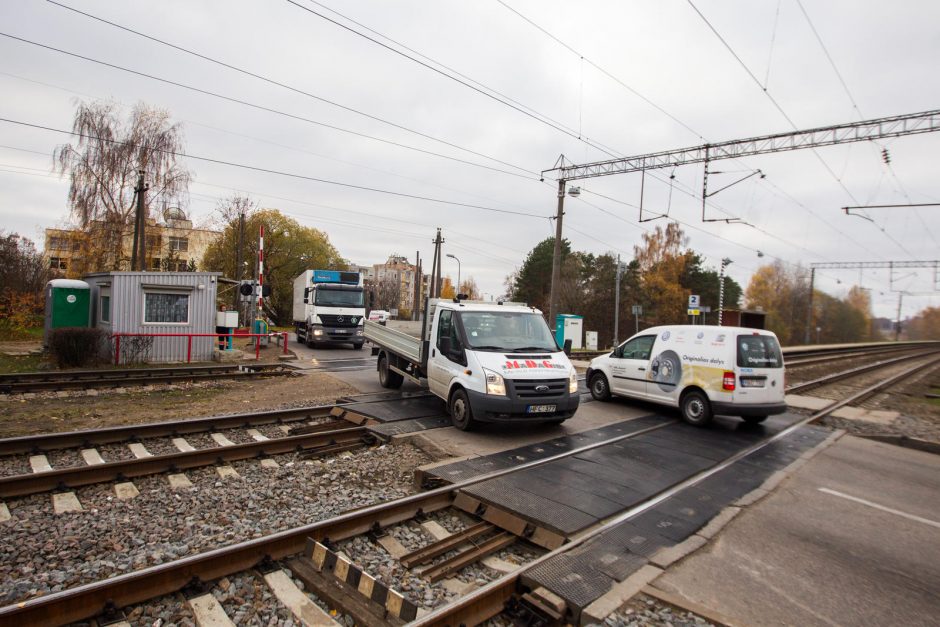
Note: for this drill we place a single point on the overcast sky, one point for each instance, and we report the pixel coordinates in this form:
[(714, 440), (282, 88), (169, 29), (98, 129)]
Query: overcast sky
[(540, 79)]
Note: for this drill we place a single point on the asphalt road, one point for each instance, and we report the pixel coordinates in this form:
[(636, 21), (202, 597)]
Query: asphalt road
[(852, 538)]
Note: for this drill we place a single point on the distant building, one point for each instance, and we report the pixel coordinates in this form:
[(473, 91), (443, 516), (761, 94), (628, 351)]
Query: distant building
[(173, 245), (392, 283)]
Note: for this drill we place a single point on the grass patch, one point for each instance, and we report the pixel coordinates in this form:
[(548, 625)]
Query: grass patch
[(20, 335), (10, 364)]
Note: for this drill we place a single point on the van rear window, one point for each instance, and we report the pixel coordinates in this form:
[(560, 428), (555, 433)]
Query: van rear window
[(759, 351)]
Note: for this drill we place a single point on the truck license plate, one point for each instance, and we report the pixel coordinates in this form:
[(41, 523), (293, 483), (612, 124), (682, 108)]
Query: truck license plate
[(540, 409), (342, 331)]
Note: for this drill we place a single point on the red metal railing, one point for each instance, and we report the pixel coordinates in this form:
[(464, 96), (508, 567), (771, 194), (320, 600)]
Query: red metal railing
[(189, 342)]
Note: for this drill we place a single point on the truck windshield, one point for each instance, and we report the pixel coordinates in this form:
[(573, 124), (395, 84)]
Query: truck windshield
[(507, 332), (339, 298)]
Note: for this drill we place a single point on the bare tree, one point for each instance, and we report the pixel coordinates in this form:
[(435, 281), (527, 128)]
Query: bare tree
[(103, 163)]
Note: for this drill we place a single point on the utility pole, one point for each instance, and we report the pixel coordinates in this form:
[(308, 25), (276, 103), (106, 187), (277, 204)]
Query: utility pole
[(809, 309), (897, 324), (238, 255), (721, 288), (617, 304), (139, 253), (416, 307), (556, 256)]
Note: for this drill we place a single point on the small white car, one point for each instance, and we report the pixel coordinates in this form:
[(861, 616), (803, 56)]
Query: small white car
[(379, 315), (702, 370)]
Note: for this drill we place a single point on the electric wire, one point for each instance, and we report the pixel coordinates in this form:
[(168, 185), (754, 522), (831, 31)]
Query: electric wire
[(262, 107), (454, 76), (282, 173), (288, 87), (679, 183), (788, 119), (604, 71), (281, 145)]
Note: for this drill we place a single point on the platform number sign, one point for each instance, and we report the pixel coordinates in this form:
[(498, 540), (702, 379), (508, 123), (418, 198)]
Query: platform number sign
[(693, 301)]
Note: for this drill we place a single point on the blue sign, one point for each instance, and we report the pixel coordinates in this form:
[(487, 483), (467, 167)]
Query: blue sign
[(335, 276)]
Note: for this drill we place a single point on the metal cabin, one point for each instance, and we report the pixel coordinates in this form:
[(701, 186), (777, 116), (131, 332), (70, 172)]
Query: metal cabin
[(157, 303)]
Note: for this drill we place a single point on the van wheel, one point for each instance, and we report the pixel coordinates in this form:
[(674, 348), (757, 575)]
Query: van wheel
[(387, 377), (460, 413), (754, 420), (695, 408), (600, 389)]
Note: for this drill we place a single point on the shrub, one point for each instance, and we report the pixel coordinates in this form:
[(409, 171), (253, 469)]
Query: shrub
[(73, 347)]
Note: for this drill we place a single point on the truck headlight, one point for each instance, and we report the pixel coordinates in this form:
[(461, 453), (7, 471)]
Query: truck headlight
[(573, 382), (495, 384), (359, 331), (318, 331)]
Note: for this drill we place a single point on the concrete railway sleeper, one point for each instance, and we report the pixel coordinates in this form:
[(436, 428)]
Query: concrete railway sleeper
[(309, 445), (322, 566)]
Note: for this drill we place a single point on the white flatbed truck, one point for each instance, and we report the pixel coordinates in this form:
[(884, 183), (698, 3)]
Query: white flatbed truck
[(490, 362)]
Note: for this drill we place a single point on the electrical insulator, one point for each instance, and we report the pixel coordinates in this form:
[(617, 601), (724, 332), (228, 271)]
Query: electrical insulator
[(886, 156)]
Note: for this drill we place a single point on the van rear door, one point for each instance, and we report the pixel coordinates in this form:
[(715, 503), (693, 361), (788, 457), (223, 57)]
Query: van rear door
[(759, 369)]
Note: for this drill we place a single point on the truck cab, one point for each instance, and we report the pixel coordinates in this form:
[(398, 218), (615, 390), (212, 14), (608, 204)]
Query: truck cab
[(489, 362), (329, 307)]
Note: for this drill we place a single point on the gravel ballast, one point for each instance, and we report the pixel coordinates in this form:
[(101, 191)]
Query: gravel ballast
[(42, 552)]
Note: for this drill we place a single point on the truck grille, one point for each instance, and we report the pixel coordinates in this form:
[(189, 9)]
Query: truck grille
[(340, 321), (525, 388)]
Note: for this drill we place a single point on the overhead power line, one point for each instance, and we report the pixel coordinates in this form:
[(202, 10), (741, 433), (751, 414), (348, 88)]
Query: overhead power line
[(259, 107), (283, 85), (451, 74), (282, 173), (604, 71)]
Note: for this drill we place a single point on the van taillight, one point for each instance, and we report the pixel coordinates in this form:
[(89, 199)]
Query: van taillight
[(727, 381)]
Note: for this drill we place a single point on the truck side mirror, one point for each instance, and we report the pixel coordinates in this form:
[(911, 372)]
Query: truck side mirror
[(306, 296), (567, 348)]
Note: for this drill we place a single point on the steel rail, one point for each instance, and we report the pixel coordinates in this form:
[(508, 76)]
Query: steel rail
[(88, 600), (828, 357), (133, 378), (479, 604), (76, 476), (846, 374), (128, 433)]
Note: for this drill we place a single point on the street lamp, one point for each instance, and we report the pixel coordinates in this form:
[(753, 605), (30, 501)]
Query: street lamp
[(721, 287), (574, 192), (456, 291)]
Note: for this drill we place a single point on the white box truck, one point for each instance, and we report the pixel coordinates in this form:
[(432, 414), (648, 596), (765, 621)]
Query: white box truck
[(329, 307), (490, 362)]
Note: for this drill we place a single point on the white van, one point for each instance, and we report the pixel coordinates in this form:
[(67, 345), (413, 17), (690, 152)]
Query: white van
[(702, 370)]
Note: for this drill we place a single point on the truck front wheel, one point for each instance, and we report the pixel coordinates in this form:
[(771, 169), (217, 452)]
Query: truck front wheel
[(387, 377), (460, 412)]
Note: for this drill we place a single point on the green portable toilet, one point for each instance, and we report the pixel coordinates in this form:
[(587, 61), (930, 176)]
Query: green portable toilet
[(67, 305)]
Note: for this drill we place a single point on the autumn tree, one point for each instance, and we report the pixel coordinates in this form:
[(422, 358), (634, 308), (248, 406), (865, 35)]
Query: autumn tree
[(661, 264), (859, 299), (469, 287), (23, 275), (102, 166), (289, 249), (784, 295), (925, 325)]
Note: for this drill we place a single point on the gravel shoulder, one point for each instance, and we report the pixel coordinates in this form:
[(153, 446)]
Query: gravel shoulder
[(29, 414)]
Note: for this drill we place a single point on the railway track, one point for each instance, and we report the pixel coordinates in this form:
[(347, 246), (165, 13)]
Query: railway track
[(316, 559), (19, 383)]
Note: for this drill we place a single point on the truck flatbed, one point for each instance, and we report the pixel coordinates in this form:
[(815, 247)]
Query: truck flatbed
[(404, 341)]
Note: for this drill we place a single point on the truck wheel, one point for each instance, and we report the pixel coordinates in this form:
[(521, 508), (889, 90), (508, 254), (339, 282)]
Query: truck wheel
[(600, 389), (695, 408), (388, 378), (754, 420), (460, 413)]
